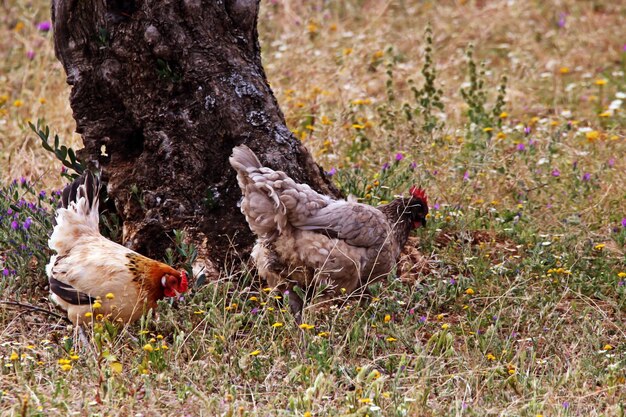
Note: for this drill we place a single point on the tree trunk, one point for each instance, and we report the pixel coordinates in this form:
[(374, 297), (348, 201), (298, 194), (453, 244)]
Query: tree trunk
[(162, 90)]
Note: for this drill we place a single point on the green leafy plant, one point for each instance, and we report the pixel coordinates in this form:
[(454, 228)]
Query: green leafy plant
[(475, 95), (66, 155), (428, 97)]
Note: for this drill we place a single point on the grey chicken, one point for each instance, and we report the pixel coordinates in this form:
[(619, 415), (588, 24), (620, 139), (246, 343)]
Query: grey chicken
[(310, 240)]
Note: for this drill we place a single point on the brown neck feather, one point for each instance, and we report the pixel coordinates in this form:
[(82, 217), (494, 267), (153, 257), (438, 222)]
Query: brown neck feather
[(148, 273), (399, 220)]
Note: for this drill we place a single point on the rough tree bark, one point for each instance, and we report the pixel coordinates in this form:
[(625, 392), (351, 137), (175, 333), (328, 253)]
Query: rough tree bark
[(161, 92)]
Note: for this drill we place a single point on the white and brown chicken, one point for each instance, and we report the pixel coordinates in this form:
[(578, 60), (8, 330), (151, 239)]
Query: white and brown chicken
[(310, 240), (90, 275)]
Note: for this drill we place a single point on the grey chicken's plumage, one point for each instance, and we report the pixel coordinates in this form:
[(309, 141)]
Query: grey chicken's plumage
[(309, 239)]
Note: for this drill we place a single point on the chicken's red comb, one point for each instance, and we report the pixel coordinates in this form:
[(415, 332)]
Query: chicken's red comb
[(418, 193), (184, 282)]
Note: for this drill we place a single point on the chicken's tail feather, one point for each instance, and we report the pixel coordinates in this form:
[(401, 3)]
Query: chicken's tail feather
[(264, 211), (244, 161), (78, 214)]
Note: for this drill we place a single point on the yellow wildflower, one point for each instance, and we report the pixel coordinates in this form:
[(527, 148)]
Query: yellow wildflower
[(66, 368), (621, 274), (501, 135), (365, 400), (490, 357), (607, 347), (148, 348), (600, 81), (116, 367), (326, 121), (469, 291), (564, 70), (599, 246), (504, 115), (605, 114), (593, 135), (255, 352), (97, 305), (312, 27), (18, 103), (445, 326), (14, 356), (88, 314), (391, 339), (323, 334), (347, 51), (307, 414), (109, 296), (277, 324), (358, 126), (42, 100), (18, 26), (305, 326), (488, 129), (253, 298), (387, 318)]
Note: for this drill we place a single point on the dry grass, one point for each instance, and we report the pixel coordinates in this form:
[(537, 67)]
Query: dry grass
[(514, 303)]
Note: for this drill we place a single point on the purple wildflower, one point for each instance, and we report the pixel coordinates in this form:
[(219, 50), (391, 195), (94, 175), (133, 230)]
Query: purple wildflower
[(5, 272), (521, 147), (611, 162), (42, 194), (255, 310), (286, 292), (23, 181), (44, 26), (466, 176), (15, 225), (30, 54), (435, 172), (556, 172), (413, 165), (620, 284), (527, 130), (436, 206), (399, 157), (561, 21), (565, 404), (9, 211), (332, 172), (422, 319), (385, 166), (27, 223), (624, 222), (586, 176), (532, 142), (452, 281)]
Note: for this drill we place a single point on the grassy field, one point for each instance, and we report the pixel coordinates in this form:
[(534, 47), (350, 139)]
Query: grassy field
[(513, 300)]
